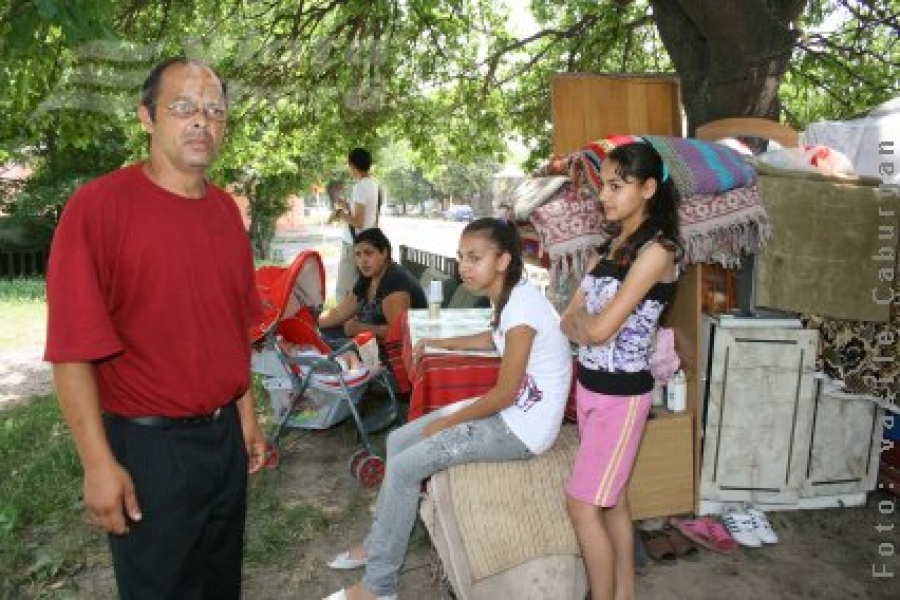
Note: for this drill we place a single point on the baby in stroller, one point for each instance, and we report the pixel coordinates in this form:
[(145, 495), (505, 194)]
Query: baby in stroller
[(310, 385), (304, 343)]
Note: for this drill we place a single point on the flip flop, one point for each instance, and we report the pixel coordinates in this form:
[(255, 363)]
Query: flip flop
[(658, 547), (684, 548), (345, 562), (342, 595), (707, 533)]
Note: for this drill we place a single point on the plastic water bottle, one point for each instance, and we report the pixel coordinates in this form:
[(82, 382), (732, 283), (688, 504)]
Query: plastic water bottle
[(435, 298), (676, 393)]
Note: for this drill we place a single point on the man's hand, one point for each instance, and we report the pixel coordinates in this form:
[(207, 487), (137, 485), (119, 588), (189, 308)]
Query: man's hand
[(255, 443), (109, 497)]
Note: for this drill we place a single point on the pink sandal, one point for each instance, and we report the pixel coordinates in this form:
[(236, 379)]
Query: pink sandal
[(706, 532)]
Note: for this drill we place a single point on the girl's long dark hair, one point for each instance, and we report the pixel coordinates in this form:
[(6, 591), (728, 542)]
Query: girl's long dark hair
[(640, 161), (506, 237)]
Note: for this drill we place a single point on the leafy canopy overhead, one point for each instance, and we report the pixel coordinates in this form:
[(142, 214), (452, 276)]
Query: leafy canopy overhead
[(452, 78)]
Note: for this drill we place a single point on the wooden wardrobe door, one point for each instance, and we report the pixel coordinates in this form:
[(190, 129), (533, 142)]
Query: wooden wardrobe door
[(588, 107)]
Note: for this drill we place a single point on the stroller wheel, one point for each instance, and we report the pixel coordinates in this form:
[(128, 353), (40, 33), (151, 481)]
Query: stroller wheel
[(357, 458), (272, 458), (370, 471)]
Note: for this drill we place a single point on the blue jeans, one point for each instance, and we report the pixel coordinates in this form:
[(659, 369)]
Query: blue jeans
[(410, 460)]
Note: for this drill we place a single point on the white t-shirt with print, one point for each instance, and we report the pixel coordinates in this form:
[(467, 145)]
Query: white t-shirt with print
[(537, 412), (365, 192)]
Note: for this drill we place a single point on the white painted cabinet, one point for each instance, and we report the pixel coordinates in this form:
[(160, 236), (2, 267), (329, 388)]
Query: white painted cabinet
[(844, 445), (772, 435), (760, 395)]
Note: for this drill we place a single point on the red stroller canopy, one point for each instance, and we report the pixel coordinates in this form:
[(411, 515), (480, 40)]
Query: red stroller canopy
[(285, 291)]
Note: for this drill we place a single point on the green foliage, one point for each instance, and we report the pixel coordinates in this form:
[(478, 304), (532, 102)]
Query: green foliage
[(462, 183), (842, 66), (23, 312), (309, 81), (407, 185)]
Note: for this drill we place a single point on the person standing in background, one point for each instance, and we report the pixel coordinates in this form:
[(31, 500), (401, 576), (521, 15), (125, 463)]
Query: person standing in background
[(360, 213), (151, 296)]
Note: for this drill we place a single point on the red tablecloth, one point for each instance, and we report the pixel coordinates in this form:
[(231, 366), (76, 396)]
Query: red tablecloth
[(441, 379), (393, 348), (437, 380)]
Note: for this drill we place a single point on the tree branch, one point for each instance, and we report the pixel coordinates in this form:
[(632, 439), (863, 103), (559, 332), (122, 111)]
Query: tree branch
[(883, 16), (829, 43)]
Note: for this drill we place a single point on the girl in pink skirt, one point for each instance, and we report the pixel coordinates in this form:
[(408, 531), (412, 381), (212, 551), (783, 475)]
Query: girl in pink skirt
[(613, 317)]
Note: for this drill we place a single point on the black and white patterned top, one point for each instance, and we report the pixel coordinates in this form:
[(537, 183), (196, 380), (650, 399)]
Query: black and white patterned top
[(621, 366)]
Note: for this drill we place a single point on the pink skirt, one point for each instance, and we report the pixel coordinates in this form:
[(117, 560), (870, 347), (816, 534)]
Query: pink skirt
[(610, 428)]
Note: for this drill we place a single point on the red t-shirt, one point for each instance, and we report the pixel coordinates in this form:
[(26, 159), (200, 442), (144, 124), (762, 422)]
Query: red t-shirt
[(155, 289)]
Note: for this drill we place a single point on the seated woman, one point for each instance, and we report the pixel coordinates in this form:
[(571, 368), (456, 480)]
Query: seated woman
[(382, 292), (516, 419)]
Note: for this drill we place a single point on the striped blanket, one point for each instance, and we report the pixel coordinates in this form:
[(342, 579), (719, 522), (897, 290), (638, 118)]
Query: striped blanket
[(696, 166), (701, 167), (584, 165)]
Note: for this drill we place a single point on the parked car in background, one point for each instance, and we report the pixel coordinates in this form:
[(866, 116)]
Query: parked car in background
[(390, 209), (459, 212)]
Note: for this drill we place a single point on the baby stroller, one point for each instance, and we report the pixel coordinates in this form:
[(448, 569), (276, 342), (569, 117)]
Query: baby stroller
[(310, 385)]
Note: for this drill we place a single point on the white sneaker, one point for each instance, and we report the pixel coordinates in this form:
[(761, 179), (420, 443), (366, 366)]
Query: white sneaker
[(740, 525), (761, 526)]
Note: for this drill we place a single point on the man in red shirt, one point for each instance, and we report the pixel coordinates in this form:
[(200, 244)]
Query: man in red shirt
[(151, 297)]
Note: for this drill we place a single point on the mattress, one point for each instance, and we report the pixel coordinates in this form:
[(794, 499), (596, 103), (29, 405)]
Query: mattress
[(501, 529)]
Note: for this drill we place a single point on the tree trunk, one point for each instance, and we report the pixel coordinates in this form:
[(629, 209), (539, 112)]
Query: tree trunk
[(730, 55)]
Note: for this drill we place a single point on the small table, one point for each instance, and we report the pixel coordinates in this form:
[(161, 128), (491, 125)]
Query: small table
[(452, 322), (440, 377)]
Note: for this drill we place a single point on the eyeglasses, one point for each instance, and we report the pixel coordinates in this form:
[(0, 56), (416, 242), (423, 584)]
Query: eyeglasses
[(186, 109)]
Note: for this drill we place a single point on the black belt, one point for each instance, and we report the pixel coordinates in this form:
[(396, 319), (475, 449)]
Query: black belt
[(170, 422)]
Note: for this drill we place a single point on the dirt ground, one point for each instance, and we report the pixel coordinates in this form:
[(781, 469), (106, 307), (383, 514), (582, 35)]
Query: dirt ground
[(830, 554)]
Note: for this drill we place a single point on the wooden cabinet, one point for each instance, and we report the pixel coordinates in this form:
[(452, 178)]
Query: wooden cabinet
[(663, 482), (589, 107)]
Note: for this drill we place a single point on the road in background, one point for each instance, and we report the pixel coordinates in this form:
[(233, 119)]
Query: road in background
[(434, 235)]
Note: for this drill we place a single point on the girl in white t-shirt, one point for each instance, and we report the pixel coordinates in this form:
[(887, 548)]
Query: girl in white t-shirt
[(516, 419)]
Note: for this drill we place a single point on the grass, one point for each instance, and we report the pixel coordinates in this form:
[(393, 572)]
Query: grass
[(23, 313), (40, 500), (44, 540)]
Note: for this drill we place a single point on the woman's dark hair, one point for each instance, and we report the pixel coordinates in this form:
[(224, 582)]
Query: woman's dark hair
[(640, 161), (374, 237), (361, 159), (150, 87), (506, 237)]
